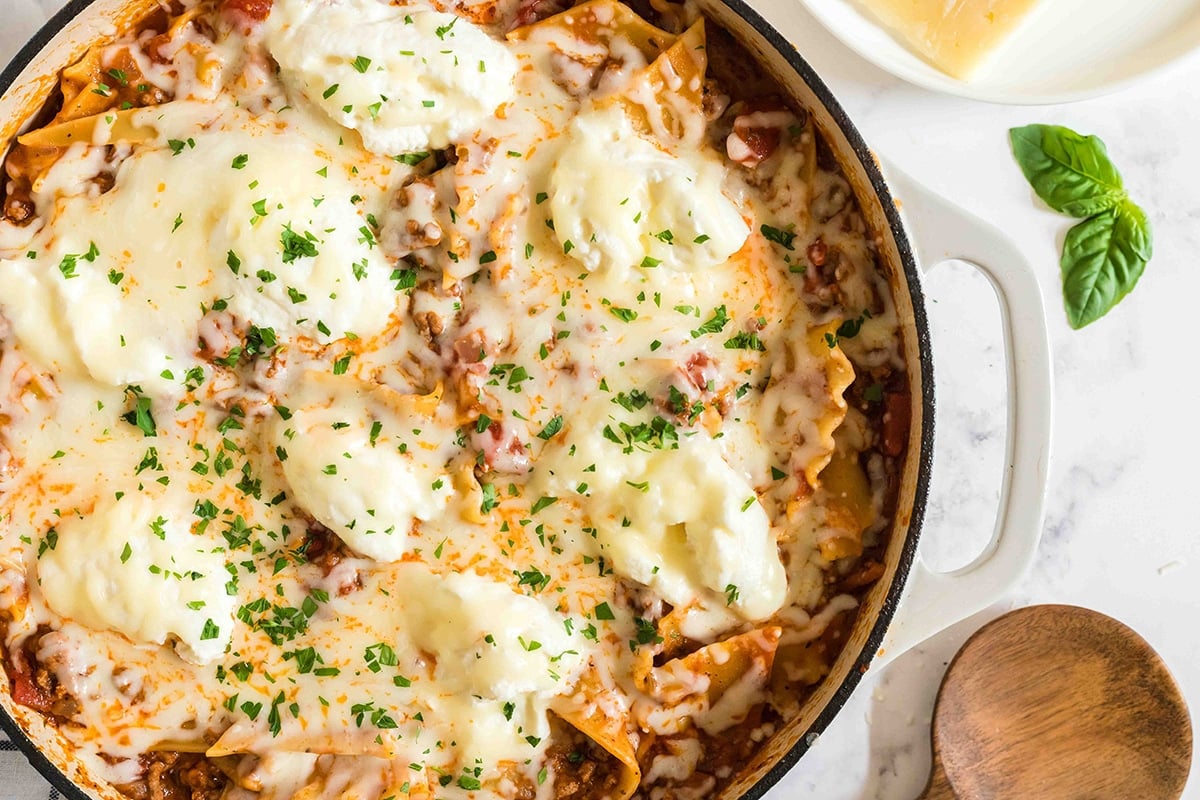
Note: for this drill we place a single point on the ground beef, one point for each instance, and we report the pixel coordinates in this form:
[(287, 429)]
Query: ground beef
[(177, 776), (34, 685), (322, 547), (582, 769)]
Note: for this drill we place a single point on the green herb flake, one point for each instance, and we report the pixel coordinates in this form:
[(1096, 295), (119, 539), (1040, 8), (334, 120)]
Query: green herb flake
[(552, 428), (715, 324), (412, 159), (297, 245), (784, 239), (745, 340)]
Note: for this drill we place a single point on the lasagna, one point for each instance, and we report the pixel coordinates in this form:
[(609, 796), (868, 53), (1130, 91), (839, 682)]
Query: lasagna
[(476, 399)]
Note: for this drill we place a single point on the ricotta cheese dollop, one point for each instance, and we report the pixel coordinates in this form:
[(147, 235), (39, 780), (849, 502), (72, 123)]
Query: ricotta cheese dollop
[(134, 566), (405, 77), (361, 469), (621, 201)]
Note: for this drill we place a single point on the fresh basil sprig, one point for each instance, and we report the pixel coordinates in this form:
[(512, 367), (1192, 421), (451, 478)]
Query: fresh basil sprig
[(1104, 255)]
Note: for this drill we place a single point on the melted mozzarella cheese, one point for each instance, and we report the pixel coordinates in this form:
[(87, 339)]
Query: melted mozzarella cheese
[(678, 519), (133, 565), (272, 231), (406, 78), (359, 468), (620, 201), (489, 641)]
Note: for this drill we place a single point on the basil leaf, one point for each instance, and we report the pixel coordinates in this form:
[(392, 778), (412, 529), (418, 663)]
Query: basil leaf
[(1102, 259), (1070, 172)]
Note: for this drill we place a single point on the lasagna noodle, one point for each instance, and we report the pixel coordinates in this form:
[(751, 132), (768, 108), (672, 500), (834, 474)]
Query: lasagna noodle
[(600, 23), (665, 99), (713, 669), (588, 713), (97, 98), (120, 126)]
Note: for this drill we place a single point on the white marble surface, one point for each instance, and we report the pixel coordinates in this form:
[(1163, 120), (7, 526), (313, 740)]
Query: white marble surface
[(1121, 535)]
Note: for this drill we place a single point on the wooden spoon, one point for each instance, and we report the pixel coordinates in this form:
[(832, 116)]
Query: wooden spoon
[(1058, 703)]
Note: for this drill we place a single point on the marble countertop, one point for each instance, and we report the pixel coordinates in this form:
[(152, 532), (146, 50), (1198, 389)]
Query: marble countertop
[(1119, 535)]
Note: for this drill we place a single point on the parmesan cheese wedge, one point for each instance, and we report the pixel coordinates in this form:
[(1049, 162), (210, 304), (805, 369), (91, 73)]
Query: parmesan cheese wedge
[(956, 35)]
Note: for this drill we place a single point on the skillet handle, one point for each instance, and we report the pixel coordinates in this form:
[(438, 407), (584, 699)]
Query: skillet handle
[(935, 600)]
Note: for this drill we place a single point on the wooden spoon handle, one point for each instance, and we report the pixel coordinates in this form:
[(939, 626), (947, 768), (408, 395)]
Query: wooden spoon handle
[(939, 787)]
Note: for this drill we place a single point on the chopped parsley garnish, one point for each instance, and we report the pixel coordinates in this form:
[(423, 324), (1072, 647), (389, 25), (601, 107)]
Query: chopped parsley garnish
[(633, 400), (850, 328), (49, 542), (659, 434), (140, 416), (296, 245), (412, 159), (745, 341), (715, 324), (552, 427), (405, 279), (542, 502), (647, 632), (490, 499), (780, 237), (534, 578), (380, 655)]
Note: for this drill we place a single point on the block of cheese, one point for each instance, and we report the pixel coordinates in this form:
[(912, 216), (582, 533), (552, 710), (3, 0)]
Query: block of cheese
[(956, 35)]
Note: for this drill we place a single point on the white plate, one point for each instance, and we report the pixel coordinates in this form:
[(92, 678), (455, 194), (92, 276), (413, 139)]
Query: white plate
[(1067, 50)]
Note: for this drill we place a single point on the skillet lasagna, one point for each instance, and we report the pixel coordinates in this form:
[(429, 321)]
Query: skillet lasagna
[(459, 400)]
